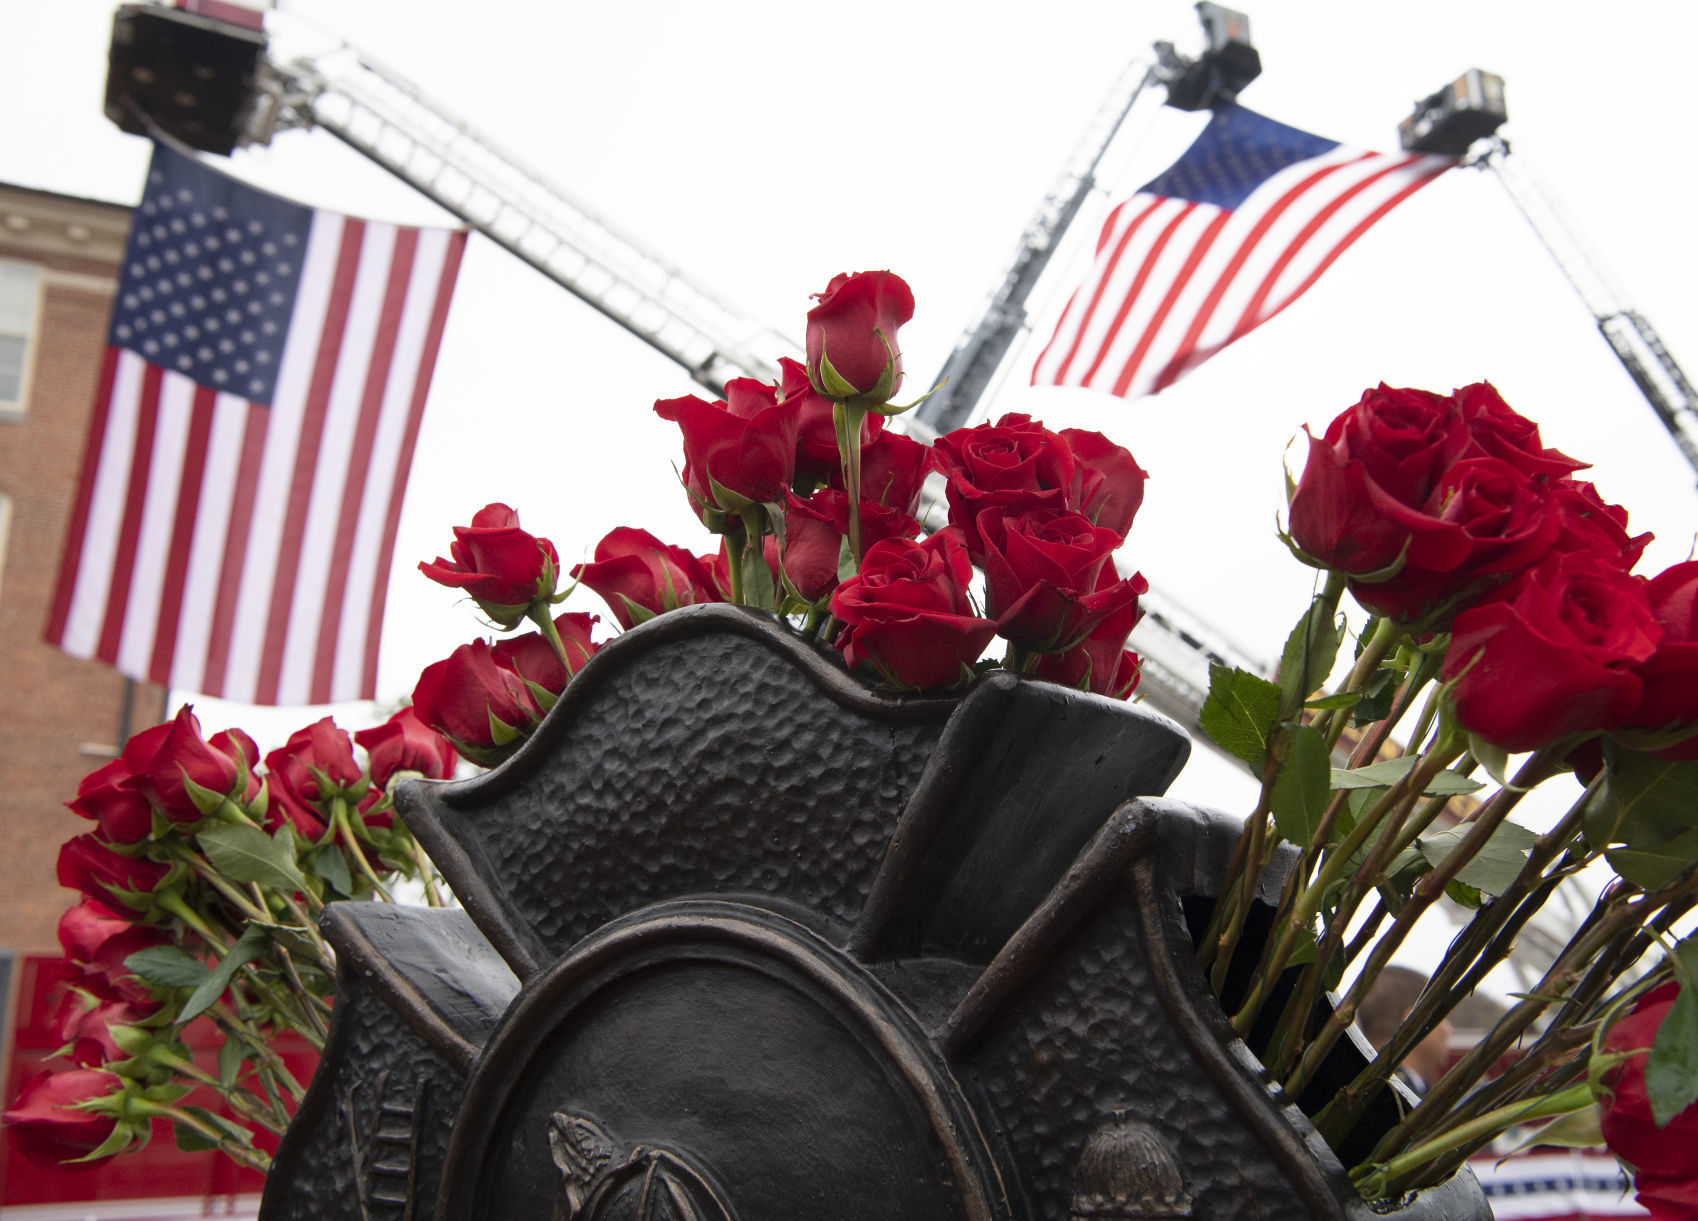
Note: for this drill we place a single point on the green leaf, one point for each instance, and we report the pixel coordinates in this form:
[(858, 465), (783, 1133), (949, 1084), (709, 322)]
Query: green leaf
[(1240, 713), (1344, 699), (293, 939), (1493, 869), (1582, 1129), (1376, 697), (249, 946), (1301, 791), (1309, 654), (329, 864), (637, 614), (1383, 775), (1644, 800), (166, 966), (1658, 864), (244, 853), (846, 567), (231, 1053), (190, 1140), (1462, 894), (1671, 1067)]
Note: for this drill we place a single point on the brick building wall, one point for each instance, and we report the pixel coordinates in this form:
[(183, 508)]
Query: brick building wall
[(59, 716)]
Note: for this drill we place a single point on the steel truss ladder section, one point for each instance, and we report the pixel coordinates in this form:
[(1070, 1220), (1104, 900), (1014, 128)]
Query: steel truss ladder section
[(391, 121), (1635, 342)]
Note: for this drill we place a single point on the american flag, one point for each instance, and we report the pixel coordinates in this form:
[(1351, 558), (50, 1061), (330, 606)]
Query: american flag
[(263, 382), (1229, 235)]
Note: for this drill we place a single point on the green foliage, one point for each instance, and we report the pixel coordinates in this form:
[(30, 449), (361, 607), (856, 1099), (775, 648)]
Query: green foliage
[(166, 966), (1642, 818), (244, 853), (249, 946), (1310, 651), (1385, 774), (1240, 713), (1301, 792), (1671, 1067), (1493, 869)]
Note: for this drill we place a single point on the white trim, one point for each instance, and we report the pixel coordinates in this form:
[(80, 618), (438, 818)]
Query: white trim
[(166, 1208), (18, 408)]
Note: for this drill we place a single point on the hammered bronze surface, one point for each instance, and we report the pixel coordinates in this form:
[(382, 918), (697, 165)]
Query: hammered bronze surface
[(745, 940)]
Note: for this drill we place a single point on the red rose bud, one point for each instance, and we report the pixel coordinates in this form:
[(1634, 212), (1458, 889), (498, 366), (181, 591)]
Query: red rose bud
[(474, 701), (1044, 571), (1111, 483), (44, 1125), (1497, 430), (1552, 653), (181, 756), (1015, 463), (853, 355), (1663, 1158), (907, 614), (90, 866), (404, 743), (533, 658), (307, 771), (738, 451), (504, 569), (817, 457), (638, 576), (88, 1028), (98, 940)]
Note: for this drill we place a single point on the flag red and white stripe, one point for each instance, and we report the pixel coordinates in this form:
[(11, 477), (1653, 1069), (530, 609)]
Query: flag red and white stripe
[(241, 548), (1175, 279)]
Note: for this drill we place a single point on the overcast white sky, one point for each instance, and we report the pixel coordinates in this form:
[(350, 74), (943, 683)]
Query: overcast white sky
[(763, 147)]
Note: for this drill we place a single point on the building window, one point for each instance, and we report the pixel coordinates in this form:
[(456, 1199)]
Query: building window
[(20, 297)]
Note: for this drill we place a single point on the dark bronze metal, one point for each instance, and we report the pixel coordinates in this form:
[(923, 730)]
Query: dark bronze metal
[(746, 940)]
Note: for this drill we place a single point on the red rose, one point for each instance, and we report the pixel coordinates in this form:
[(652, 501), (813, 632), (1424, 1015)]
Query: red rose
[(43, 1124), (1586, 523), (1101, 662), (180, 755), (1670, 675), (907, 614), (499, 565), (638, 576), (738, 451), (814, 530), (851, 336), (313, 766), (1042, 570), (533, 659), (86, 1024), (817, 457), (124, 815), (1665, 1159), (1497, 430), (893, 470), (98, 940), (1552, 653), (473, 700), (1015, 462), (1378, 460), (1483, 523), (90, 866), (1111, 485), (404, 743)]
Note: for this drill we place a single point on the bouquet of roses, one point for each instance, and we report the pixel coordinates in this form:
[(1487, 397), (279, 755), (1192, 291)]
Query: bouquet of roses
[(201, 885), (814, 500), (1505, 618)]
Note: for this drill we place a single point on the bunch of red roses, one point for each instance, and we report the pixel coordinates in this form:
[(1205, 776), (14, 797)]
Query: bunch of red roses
[(815, 503), (1446, 513), (1505, 617), (200, 886)]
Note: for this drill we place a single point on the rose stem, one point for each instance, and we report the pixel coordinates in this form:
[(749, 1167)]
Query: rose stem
[(1426, 893), (1489, 933)]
